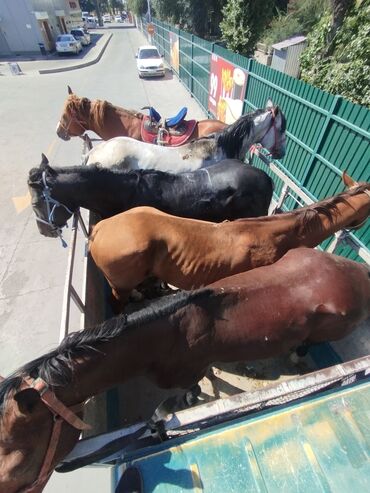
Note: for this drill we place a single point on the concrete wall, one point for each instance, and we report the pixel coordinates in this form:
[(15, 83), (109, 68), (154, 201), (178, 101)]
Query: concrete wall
[(19, 28), (24, 24)]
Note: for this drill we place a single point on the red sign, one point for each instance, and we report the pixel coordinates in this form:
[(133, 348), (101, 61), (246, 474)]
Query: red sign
[(150, 29), (227, 85)]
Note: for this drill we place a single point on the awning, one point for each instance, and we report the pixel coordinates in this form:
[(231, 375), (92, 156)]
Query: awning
[(41, 16)]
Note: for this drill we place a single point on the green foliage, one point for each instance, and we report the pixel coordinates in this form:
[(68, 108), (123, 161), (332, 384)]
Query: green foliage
[(138, 7), (347, 70), (302, 15), (244, 22), (87, 5), (199, 17)]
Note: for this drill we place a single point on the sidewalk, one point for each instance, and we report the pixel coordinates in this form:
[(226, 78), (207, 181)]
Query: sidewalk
[(52, 63)]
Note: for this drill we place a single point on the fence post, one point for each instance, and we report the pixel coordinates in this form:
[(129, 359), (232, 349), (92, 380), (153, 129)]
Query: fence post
[(247, 84), (192, 65), (321, 139)]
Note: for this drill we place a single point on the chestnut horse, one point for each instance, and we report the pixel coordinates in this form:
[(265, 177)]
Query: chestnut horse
[(108, 121), (306, 296), (265, 126), (189, 254)]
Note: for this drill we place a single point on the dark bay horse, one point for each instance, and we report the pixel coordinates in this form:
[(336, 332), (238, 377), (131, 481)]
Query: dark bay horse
[(228, 190), (108, 121), (306, 296), (265, 126), (189, 254)]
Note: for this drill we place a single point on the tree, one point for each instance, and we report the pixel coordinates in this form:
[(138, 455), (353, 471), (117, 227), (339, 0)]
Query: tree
[(199, 17), (138, 7), (244, 22), (87, 5)]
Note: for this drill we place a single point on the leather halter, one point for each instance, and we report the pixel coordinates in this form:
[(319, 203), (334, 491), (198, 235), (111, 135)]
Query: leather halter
[(60, 413), (255, 147), (359, 225), (73, 119)]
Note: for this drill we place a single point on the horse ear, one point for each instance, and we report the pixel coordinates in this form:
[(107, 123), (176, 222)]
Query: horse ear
[(69, 90), (27, 400), (44, 160), (347, 180)]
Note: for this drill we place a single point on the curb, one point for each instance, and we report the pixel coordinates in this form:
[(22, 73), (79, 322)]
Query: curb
[(80, 65)]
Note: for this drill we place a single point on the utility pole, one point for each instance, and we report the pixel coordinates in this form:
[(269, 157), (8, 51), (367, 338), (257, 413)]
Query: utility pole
[(149, 12)]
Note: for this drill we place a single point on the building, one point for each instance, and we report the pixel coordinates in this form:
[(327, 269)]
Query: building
[(28, 26), (285, 56)]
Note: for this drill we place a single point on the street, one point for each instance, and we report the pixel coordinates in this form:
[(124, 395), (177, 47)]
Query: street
[(32, 267)]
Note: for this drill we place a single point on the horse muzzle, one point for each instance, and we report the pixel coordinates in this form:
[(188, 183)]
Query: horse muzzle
[(278, 153), (62, 132), (47, 231)]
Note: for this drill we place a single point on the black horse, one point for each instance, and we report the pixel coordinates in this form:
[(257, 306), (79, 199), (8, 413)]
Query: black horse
[(226, 191)]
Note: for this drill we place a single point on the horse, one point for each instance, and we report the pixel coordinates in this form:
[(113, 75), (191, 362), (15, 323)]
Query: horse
[(187, 253), (108, 121), (265, 126), (253, 315), (228, 190)]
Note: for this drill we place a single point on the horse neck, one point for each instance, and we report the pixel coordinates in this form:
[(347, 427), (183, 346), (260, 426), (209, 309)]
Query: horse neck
[(113, 363), (97, 190), (117, 122), (354, 210)]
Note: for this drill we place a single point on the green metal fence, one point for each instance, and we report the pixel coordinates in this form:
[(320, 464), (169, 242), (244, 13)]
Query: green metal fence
[(326, 134)]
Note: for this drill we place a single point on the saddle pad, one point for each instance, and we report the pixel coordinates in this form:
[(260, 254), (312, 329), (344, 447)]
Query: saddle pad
[(175, 138)]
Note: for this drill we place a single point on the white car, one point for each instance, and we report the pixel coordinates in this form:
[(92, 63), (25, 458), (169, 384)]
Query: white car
[(66, 43), (118, 18), (82, 35), (107, 18), (149, 62)]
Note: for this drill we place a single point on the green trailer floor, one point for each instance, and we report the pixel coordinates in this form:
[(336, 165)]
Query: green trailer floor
[(320, 444)]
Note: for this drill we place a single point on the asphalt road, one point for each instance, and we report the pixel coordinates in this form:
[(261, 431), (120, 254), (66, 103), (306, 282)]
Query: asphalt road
[(32, 267)]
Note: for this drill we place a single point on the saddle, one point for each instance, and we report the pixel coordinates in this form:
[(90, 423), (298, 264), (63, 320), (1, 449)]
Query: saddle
[(173, 131)]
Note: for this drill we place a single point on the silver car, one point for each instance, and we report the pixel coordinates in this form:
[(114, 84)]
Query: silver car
[(66, 43), (81, 35)]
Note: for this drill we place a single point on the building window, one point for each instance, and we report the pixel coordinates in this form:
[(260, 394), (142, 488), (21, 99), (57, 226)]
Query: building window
[(73, 5)]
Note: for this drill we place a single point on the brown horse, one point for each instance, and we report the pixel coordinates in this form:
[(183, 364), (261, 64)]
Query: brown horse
[(108, 121), (306, 296), (189, 254)]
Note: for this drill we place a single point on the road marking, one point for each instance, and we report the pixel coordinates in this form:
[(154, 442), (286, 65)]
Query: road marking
[(22, 202)]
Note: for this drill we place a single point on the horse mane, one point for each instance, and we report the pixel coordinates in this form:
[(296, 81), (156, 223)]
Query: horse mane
[(96, 109), (56, 367), (35, 174), (308, 218), (231, 137)]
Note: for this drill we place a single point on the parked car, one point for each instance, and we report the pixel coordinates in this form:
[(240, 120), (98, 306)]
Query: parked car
[(118, 18), (107, 18), (90, 22), (149, 62), (66, 43), (82, 35)]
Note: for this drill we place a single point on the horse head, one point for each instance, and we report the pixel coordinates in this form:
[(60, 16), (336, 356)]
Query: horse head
[(355, 188), (51, 215), (270, 127), (36, 431), (73, 121)]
